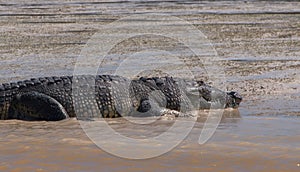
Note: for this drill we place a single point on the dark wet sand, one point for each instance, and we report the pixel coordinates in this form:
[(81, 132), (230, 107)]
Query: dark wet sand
[(258, 43)]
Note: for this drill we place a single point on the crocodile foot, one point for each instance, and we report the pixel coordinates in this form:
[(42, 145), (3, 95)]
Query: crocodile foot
[(36, 106)]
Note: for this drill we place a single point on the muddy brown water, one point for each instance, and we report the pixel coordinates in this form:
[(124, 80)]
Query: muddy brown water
[(257, 41)]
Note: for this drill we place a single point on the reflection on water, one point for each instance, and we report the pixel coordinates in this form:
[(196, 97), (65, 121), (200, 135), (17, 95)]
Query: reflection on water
[(64, 146)]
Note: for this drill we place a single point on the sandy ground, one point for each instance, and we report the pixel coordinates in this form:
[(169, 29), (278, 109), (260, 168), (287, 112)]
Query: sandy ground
[(258, 43)]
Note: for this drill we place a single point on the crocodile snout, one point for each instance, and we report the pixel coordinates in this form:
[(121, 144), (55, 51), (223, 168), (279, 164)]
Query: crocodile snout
[(236, 97)]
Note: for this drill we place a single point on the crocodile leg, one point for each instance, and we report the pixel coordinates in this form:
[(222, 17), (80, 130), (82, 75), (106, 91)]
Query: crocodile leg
[(36, 106)]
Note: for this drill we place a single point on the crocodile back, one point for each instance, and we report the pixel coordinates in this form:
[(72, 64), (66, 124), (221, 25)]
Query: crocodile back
[(81, 96)]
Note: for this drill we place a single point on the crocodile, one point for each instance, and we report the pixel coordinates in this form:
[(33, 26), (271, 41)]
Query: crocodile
[(108, 96)]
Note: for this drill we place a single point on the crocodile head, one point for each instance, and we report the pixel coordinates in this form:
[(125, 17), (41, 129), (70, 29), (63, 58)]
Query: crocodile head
[(203, 95)]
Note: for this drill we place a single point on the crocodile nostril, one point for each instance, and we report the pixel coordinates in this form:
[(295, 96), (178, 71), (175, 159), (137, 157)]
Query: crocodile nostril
[(236, 96)]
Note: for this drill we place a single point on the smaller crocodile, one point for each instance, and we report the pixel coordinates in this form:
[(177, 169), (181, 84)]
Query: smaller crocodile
[(108, 96)]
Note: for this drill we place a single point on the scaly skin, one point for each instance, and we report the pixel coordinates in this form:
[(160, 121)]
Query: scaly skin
[(108, 96)]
